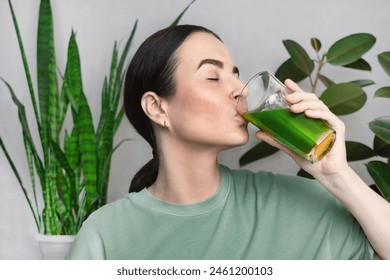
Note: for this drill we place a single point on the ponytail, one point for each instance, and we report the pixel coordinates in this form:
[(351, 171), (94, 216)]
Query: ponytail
[(146, 176)]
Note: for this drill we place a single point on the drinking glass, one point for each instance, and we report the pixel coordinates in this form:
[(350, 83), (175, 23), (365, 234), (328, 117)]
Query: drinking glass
[(262, 103)]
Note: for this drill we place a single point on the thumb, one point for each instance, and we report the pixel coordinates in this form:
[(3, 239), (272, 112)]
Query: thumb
[(292, 86)]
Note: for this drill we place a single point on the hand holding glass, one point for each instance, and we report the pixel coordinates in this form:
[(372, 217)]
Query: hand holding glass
[(262, 102)]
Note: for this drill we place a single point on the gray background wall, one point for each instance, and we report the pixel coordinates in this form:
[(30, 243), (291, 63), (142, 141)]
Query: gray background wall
[(253, 30)]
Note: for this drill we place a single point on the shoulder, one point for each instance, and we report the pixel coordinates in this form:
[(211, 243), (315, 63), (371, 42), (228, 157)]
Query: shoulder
[(266, 180), (110, 213), (286, 189)]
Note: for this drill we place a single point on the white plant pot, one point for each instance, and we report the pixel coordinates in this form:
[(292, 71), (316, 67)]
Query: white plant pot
[(54, 247)]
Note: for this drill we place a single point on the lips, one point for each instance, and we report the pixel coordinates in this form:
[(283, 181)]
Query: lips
[(241, 120)]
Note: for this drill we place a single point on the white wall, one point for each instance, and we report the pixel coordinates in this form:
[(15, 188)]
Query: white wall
[(252, 30)]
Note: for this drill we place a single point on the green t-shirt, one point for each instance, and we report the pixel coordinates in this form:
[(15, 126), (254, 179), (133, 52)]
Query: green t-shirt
[(251, 216)]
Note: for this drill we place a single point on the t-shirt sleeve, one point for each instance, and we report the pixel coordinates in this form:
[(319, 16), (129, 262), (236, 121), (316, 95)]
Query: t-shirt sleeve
[(87, 245), (346, 237)]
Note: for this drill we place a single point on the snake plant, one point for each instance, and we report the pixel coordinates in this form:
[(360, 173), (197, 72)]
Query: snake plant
[(74, 169)]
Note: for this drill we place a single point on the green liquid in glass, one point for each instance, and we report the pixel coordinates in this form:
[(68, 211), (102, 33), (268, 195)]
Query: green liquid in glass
[(296, 131)]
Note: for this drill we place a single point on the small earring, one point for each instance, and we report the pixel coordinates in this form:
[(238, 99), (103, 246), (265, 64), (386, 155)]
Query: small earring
[(165, 123)]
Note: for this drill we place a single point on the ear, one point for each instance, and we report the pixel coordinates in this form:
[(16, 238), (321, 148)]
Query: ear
[(152, 104)]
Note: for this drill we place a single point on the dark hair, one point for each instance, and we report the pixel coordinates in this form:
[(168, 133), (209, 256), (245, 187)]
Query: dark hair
[(152, 68)]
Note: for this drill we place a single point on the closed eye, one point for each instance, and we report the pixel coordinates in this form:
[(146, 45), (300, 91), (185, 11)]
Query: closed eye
[(213, 79)]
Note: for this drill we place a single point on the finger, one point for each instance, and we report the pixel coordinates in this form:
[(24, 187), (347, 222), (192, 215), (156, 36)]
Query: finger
[(331, 119), (297, 96), (306, 105), (292, 86)]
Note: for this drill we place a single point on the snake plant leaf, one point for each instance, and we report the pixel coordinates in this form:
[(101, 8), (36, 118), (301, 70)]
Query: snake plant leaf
[(104, 147), (46, 75), (177, 20), (383, 92), (299, 56), (88, 150), (72, 153), (73, 84), (17, 175), (26, 133), (326, 81), (63, 161), (21, 114), (381, 148), (363, 83), (108, 96), (344, 98), (118, 120), (127, 48), (261, 150), (384, 61), (359, 64), (288, 70), (380, 173), (113, 76), (358, 151), (381, 128), (316, 44), (49, 112), (26, 67), (350, 48), (105, 105), (49, 212)]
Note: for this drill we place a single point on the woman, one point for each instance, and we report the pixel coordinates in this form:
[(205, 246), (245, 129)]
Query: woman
[(180, 95)]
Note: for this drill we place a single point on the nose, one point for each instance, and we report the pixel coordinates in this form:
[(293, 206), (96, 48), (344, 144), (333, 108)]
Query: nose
[(240, 89), (241, 99)]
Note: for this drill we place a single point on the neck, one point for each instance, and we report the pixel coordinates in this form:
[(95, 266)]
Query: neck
[(186, 175)]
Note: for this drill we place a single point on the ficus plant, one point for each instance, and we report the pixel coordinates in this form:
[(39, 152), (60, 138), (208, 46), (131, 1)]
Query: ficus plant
[(342, 98), (73, 168), (379, 170)]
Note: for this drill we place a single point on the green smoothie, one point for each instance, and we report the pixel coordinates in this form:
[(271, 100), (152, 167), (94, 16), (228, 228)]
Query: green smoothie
[(310, 138)]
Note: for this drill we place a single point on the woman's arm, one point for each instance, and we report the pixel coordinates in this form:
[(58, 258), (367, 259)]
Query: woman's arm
[(334, 173)]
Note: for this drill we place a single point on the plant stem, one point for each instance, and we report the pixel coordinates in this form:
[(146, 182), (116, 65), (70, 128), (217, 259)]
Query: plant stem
[(321, 63)]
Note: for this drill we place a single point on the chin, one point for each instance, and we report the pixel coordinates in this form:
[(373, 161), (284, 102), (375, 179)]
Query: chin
[(239, 139)]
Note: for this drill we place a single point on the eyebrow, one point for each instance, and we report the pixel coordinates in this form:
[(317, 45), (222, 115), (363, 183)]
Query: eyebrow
[(217, 63)]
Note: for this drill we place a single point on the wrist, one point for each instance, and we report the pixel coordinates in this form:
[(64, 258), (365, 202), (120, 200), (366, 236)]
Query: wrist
[(340, 181)]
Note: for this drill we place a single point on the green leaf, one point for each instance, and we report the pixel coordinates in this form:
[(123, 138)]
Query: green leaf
[(384, 61), (127, 47), (299, 56), (259, 151), (73, 84), (380, 173), (14, 169), (383, 92), (177, 20), (316, 44), (381, 148), (358, 151), (46, 74), (326, 81), (88, 150), (26, 68), (304, 174), (70, 197), (381, 128), (349, 49), (363, 83), (49, 110), (359, 64), (288, 70), (344, 98)]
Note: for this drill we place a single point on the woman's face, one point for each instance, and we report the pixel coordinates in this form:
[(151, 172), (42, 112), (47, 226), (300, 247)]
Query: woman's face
[(203, 109)]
